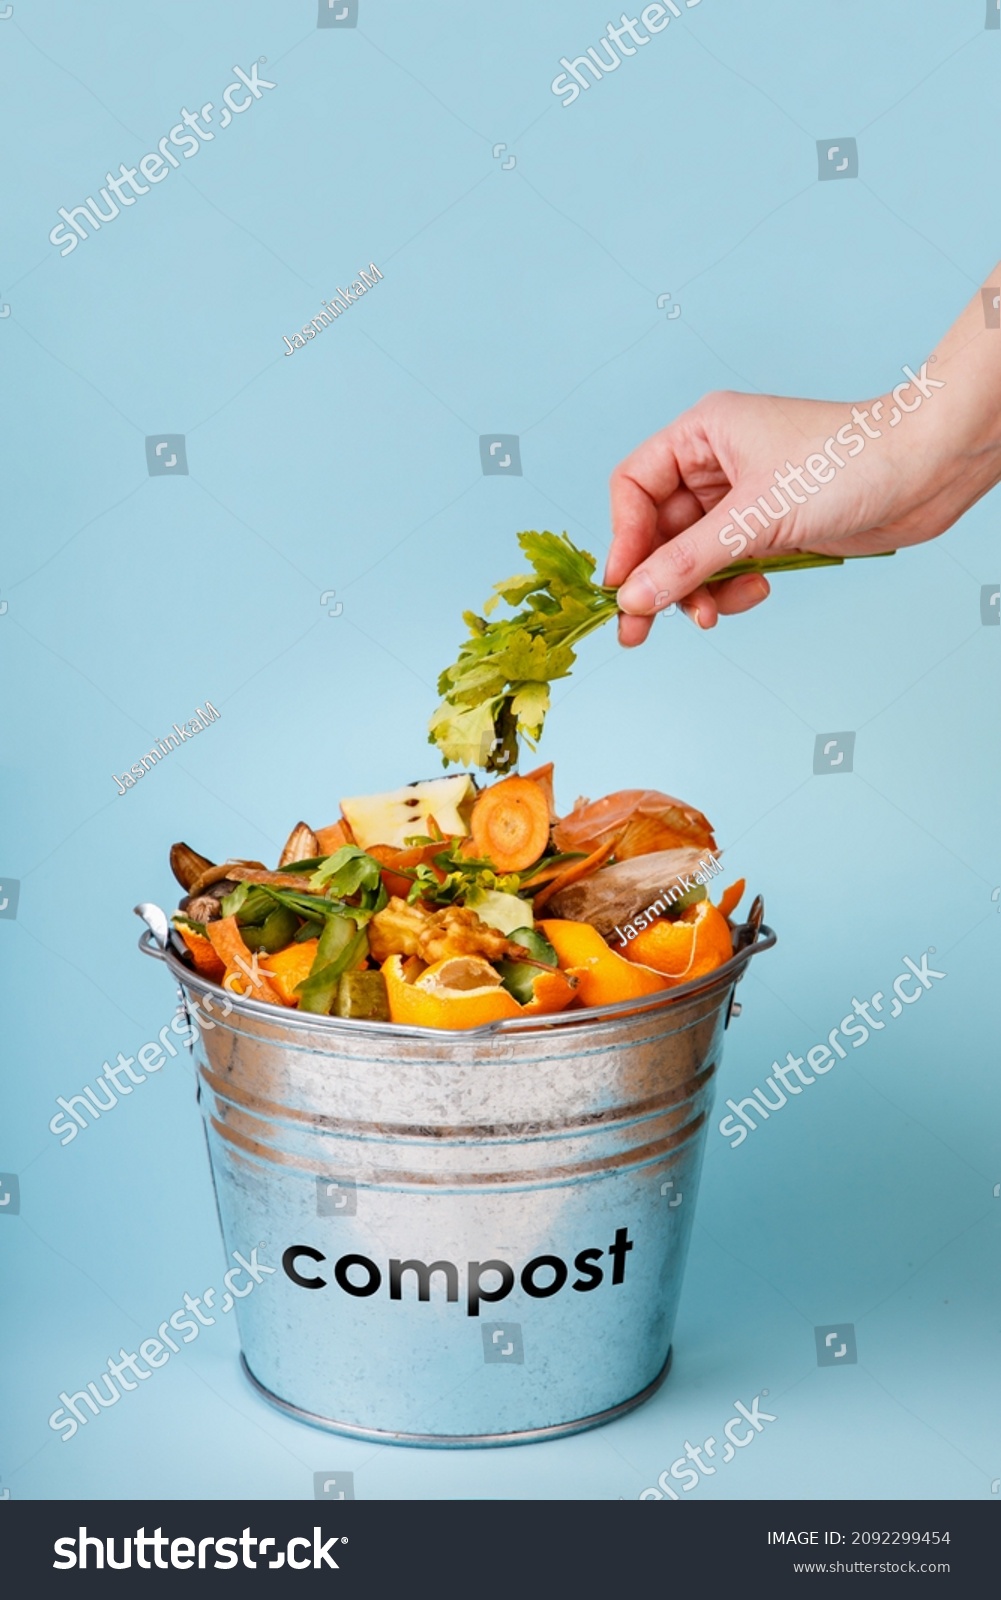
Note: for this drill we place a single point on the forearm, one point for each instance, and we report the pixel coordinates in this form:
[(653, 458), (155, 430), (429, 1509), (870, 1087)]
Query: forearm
[(963, 428)]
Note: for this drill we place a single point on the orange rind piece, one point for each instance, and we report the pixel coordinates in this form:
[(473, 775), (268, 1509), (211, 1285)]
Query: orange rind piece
[(551, 991), (466, 992), (243, 974), (290, 967), (456, 992), (203, 954), (731, 897), (685, 947), (603, 977)]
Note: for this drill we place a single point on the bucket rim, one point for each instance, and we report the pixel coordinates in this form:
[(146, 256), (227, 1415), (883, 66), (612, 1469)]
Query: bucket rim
[(720, 978)]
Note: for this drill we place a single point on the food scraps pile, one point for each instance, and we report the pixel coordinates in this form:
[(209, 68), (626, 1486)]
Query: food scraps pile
[(448, 905)]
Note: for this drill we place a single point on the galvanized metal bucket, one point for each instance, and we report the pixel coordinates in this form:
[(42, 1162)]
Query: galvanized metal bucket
[(477, 1238)]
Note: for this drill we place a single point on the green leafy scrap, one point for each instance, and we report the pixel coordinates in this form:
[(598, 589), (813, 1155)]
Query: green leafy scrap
[(347, 871), (497, 691)]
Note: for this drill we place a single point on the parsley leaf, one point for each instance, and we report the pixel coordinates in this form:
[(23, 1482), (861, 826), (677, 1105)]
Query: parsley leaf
[(497, 690), (346, 871)]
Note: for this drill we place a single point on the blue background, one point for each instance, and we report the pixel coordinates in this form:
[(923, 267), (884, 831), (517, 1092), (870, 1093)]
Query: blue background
[(522, 300)]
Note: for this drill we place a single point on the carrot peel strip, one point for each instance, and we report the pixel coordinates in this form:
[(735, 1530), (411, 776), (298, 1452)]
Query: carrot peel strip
[(243, 975), (573, 874)]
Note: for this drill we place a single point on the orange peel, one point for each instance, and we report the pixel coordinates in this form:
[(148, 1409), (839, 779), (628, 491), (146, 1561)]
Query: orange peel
[(684, 947), (289, 967), (603, 977), (466, 992)]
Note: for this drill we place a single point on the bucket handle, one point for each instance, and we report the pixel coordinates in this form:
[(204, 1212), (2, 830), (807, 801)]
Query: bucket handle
[(149, 946)]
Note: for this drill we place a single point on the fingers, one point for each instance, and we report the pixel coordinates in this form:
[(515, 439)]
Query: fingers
[(677, 513), (704, 606), (678, 567), (740, 594), (700, 607), (639, 487), (633, 630), (707, 604)]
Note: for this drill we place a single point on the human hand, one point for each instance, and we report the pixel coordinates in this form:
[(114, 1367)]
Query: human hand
[(754, 475)]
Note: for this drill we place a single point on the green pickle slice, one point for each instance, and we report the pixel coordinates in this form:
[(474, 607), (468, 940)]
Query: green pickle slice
[(362, 994)]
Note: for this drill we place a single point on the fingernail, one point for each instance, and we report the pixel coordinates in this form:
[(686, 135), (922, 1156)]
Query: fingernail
[(637, 595)]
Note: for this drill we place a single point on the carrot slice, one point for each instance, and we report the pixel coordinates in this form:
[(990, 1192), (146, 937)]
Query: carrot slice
[(509, 823), (331, 839), (242, 976), (573, 874), (730, 898)]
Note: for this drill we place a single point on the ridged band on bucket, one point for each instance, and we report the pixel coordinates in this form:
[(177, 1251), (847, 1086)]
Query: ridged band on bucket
[(474, 1237)]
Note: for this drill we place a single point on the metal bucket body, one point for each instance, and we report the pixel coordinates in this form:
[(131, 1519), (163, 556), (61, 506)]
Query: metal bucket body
[(380, 1169)]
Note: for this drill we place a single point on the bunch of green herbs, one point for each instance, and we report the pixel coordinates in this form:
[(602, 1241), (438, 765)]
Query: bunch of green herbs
[(497, 691)]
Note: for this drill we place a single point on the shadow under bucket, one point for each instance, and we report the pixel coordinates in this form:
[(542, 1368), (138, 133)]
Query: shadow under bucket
[(477, 1237)]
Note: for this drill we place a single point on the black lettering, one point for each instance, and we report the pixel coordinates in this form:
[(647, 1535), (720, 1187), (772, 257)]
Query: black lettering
[(288, 1262), (344, 1282), (476, 1294), (529, 1285), (423, 1271), (617, 1251), (585, 1263)]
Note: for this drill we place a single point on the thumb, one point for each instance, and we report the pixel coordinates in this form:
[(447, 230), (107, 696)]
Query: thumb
[(744, 522)]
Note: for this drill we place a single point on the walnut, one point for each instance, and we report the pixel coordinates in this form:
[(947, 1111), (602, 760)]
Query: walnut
[(396, 930), (458, 931), (405, 930)]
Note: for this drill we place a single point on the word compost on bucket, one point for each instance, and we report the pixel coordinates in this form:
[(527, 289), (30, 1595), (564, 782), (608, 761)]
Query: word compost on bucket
[(585, 1262)]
